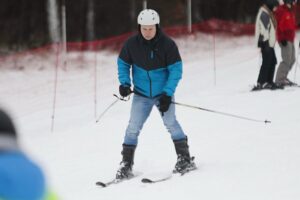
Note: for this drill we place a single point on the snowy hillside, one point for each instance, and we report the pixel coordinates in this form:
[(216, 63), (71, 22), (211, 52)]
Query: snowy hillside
[(237, 159)]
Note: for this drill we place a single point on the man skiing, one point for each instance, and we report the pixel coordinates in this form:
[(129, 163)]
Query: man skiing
[(265, 38), (156, 66), (286, 31)]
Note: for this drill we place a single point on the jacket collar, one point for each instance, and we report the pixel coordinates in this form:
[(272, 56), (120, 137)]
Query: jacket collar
[(153, 42)]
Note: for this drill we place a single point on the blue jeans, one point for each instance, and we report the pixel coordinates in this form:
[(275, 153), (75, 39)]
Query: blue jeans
[(140, 110)]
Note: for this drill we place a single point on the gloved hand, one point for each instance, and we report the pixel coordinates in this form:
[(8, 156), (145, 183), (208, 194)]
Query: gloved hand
[(164, 103), (283, 43), (263, 44), (124, 90)]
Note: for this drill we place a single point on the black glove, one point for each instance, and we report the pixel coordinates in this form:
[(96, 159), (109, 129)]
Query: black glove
[(283, 43), (124, 90), (263, 44), (164, 103)]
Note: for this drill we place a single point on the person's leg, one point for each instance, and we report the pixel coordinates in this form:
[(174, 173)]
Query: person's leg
[(267, 62), (293, 60), (272, 66), (171, 123), (293, 56), (184, 161), (140, 110), (286, 63), (125, 169)]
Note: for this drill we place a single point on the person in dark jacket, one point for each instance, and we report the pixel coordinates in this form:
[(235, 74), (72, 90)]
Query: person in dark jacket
[(20, 178), (265, 36), (154, 61), (286, 31)]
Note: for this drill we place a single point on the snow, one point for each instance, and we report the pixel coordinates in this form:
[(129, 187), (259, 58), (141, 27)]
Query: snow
[(237, 159)]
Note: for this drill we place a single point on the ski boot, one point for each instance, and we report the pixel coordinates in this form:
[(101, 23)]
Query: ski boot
[(184, 163), (257, 87), (275, 86), (271, 86), (289, 83), (125, 169)]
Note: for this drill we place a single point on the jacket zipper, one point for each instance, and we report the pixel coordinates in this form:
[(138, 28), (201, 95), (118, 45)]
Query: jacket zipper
[(151, 57), (150, 83), (152, 54)]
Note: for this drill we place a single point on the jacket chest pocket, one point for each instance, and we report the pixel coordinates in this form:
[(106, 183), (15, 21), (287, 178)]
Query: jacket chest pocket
[(157, 58)]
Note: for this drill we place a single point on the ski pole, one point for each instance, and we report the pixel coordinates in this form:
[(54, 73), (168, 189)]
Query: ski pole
[(221, 113), (108, 107), (112, 104), (297, 65)]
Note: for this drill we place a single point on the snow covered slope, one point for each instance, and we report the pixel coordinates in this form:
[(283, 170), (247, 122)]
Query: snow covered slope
[(237, 159)]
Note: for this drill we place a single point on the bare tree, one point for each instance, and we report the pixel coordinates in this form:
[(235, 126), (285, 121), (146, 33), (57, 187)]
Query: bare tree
[(53, 21), (90, 18)]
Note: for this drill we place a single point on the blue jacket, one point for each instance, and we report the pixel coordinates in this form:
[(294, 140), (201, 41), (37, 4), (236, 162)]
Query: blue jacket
[(20, 179), (155, 65)]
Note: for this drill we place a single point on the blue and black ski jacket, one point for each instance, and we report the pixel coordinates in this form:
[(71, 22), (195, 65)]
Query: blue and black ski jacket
[(156, 65)]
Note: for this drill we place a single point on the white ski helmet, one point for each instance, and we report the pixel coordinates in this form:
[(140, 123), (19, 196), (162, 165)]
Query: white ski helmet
[(148, 17)]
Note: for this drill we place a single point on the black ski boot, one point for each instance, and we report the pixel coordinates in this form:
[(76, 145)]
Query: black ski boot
[(275, 86), (184, 163), (257, 87), (125, 170)]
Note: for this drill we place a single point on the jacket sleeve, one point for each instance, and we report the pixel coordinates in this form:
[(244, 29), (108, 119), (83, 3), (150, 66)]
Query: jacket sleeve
[(124, 65), (174, 66)]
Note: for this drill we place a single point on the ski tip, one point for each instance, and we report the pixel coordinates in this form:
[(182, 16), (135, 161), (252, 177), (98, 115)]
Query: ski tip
[(146, 180), (267, 121), (101, 184)]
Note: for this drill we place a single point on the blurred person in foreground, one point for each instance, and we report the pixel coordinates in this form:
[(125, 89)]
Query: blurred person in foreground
[(265, 37), (153, 60), (20, 177), (286, 31)]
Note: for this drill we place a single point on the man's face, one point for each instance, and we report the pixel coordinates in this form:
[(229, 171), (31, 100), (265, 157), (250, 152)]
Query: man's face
[(148, 31)]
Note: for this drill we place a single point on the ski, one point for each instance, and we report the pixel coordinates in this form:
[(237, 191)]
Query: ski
[(105, 184), (168, 177), (113, 181), (147, 180), (294, 85)]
